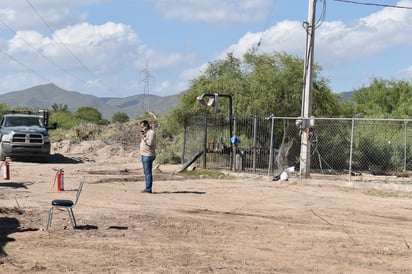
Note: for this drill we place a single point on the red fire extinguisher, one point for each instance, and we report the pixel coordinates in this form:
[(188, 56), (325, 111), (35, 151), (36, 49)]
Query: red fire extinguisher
[(5, 169), (59, 178)]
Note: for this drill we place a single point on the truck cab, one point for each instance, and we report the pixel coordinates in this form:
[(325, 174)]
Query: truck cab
[(24, 134)]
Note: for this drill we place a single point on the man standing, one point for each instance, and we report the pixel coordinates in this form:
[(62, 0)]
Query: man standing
[(147, 152)]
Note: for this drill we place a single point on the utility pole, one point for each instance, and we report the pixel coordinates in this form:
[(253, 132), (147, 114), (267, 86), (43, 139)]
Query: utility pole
[(306, 112), (146, 89)]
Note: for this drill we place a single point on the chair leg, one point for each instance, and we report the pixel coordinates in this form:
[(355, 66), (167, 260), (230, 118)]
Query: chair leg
[(72, 218), (49, 219)]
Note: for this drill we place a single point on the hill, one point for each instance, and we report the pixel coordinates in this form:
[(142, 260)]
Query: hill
[(346, 94), (44, 96)]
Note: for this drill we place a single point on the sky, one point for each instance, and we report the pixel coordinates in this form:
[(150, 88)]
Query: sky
[(121, 48)]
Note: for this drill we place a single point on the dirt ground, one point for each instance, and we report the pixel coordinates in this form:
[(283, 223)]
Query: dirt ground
[(236, 224)]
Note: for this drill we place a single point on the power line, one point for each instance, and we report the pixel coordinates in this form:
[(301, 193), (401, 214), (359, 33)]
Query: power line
[(267, 22), (306, 25), (322, 16), (24, 65), (64, 45), (374, 4), (39, 53)]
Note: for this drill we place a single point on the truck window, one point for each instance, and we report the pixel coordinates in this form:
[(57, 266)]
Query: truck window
[(24, 121)]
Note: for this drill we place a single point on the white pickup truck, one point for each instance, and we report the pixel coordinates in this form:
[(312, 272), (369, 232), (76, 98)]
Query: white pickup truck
[(25, 134)]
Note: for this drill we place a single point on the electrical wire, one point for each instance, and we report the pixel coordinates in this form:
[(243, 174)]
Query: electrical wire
[(322, 15), (26, 66), (39, 53), (64, 45), (319, 22), (266, 24), (373, 4)]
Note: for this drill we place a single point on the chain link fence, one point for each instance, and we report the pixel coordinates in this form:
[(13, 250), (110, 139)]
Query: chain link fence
[(269, 145)]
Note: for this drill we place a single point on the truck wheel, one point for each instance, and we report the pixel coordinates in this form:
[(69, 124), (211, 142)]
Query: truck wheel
[(2, 156), (45, 159)]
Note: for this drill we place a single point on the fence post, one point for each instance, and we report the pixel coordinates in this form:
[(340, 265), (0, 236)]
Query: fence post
[(205, 143), (351, 149), (254, 142), (234, 145), (184, 141), (405, 144), (272, 148)]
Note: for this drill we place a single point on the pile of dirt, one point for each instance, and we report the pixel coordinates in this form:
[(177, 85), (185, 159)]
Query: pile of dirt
[(98, 150)]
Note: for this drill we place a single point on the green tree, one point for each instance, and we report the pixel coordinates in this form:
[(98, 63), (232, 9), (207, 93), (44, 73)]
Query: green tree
[(275, 87), (89, 114), (59, 107), (260, 84), (384, 98), (120, 117), (222, 76), (64, 119), (4, 107)]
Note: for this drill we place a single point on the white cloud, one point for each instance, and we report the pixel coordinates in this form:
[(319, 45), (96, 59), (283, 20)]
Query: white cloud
[(13, 82), (191, 73), (339, 43), (104, 48), (405, 73), (215, 11), (23, 15), (112, 55), (162, 88), (336, 42), (107, 44), (116, 55), (24, 40), (46, 3), (160, 60), (285, 36)]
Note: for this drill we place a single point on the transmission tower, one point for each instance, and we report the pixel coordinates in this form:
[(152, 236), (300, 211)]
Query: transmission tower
[(146, 89)]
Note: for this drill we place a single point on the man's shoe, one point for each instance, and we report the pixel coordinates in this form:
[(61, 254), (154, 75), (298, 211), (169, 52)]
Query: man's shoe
[(145, 191)]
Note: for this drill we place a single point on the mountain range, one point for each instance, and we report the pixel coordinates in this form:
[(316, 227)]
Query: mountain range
[(44, 96)]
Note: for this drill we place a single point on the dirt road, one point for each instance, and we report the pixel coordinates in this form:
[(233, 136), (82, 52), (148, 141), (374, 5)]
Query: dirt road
[(247, 224)]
